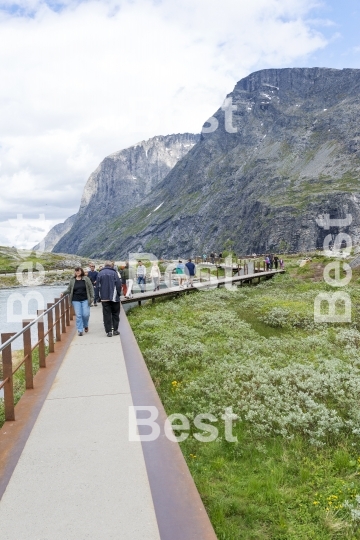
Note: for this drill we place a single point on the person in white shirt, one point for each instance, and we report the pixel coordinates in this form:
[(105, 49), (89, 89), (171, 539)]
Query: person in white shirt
[(155, 275)]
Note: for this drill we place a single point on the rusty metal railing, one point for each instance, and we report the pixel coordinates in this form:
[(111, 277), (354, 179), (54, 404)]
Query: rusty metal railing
[(59, 314)]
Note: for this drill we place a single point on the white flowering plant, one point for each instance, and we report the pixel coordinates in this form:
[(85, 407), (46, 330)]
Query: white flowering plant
[(295, 388)]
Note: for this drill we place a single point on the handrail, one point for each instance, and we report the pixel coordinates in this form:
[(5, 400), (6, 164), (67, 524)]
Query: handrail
[(179, 510), (31, 323), (64, 313)]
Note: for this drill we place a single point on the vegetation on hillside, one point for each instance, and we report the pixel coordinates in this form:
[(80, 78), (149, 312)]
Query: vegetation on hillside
[(294, 385), (58, 267), (11, 258)]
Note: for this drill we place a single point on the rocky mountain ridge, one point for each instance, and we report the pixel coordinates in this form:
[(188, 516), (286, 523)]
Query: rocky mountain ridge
[(293, 155), (119, 183), (55, 234)]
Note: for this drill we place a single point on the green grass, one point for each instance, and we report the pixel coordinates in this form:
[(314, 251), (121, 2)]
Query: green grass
[(12, 258), (295, 387)]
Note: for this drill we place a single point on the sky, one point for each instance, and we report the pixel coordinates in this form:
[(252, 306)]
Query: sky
[(81, 79)]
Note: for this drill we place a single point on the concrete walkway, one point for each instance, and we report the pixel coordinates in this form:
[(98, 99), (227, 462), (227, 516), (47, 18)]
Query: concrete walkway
[(78, 476)]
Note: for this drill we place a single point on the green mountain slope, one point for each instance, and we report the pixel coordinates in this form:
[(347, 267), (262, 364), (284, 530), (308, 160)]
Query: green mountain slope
[(295, 155)]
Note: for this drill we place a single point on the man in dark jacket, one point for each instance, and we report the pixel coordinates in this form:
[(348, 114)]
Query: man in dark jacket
[(92, 275), (109, 287), (190, 271), (271, 258)]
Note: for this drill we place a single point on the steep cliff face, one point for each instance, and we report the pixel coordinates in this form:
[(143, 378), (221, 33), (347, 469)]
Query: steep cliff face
[(294, 155), (55, 234), (122, 181)]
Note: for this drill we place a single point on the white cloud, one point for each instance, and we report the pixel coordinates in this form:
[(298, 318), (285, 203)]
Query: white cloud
[(23, 233), (97, 76)]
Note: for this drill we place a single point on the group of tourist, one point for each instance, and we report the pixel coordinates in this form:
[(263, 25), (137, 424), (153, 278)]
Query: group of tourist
[(212, 257), (88, 288), (273, 261), (127, 277), (185, 273)]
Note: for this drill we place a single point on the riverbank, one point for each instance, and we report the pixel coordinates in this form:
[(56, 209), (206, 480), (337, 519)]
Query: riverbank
[(56, 278), (47, 268), (12, 258)]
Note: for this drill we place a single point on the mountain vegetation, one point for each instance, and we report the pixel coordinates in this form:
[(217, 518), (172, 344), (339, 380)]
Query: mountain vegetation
[(258, 182), (294, 388)]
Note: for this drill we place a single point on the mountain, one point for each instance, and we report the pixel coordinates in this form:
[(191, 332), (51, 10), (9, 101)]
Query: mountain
[(55, 234), (294, 155), (121, 182)]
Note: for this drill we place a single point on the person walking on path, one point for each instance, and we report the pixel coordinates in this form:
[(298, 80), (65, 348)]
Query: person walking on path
[(282, 264), (141, 276), (190, 270), (180, 272), (276, 262), (81, 293), (155, 274), (123, 280), (128, 279), (110, 291), (271, 259), (92, 275)]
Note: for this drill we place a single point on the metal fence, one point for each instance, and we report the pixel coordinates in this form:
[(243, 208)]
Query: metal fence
[(57, 316)]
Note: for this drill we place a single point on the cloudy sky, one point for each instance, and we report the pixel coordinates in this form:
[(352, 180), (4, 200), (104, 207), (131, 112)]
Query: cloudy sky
[(80, 79)]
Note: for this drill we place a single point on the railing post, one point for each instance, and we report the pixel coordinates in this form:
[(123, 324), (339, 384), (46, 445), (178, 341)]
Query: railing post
[(50, 327), (41, 340), (63, 320), (57, 320), (67, 310), (72, 312), (29, 379), (8, 377)]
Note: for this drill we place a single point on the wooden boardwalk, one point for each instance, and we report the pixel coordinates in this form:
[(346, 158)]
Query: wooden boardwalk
[(203, 285), (70, 466)]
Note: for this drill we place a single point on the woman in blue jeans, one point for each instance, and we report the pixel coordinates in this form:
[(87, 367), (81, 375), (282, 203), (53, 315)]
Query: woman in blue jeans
[(81, 293)]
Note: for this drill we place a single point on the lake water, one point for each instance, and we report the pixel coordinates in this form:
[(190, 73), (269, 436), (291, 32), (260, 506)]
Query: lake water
[(11, 306)]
